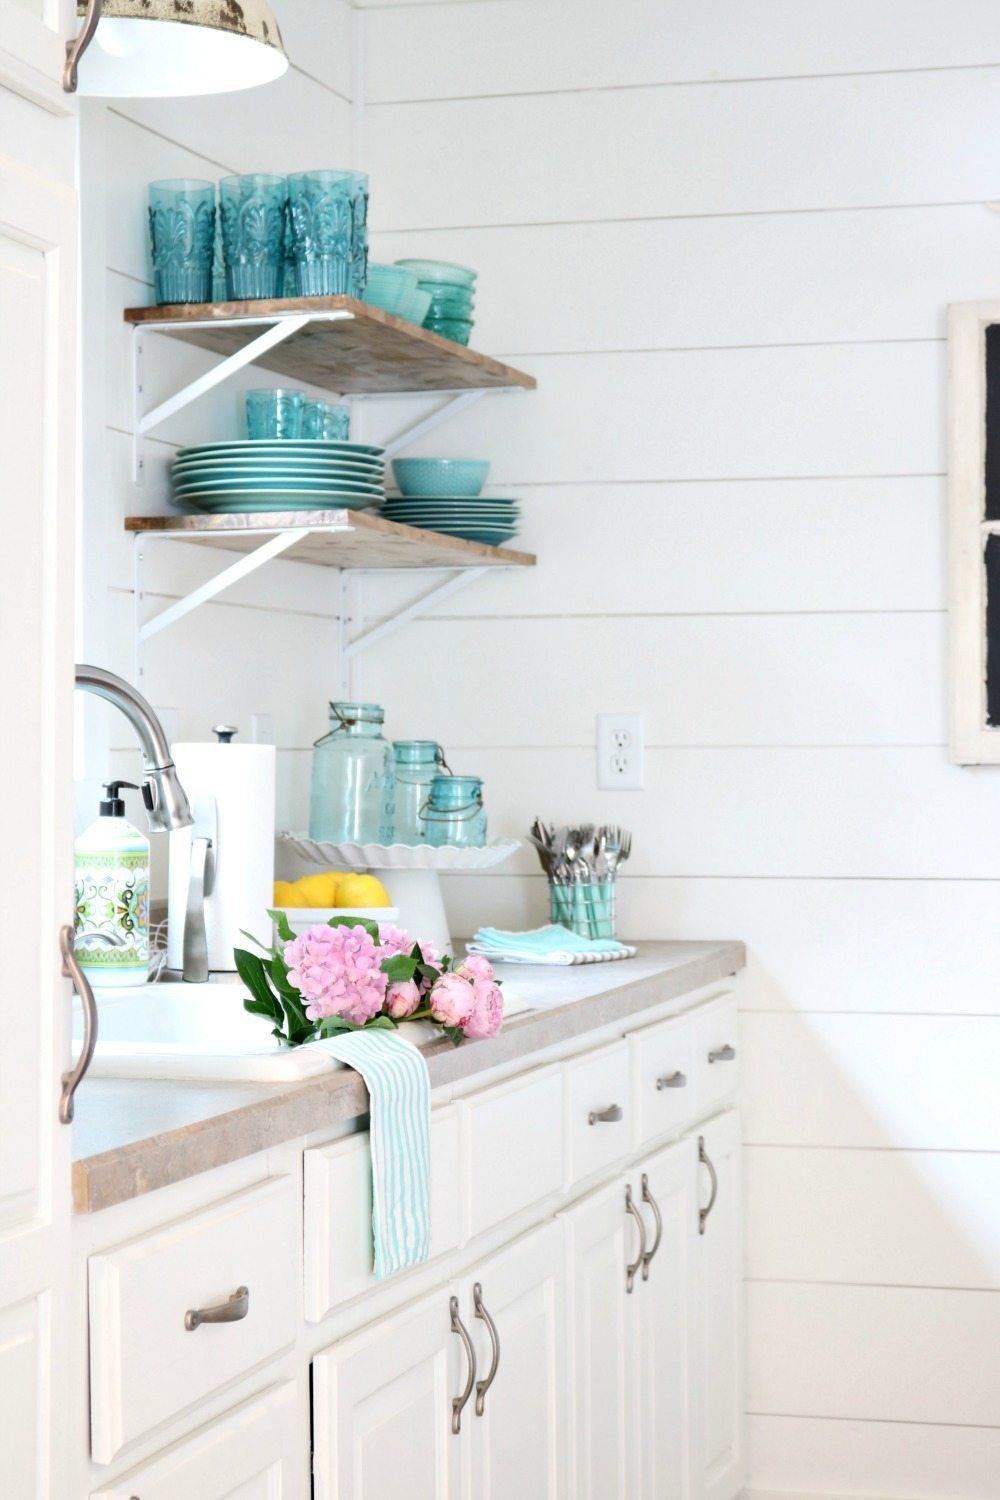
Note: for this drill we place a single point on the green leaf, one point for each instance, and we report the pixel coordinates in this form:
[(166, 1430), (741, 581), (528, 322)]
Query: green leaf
[(291, 1000), (370, 927), (428, 971), (266, 947), (254, 975), (381, 1023), (399, 968), (282, 924), (454, 1034)]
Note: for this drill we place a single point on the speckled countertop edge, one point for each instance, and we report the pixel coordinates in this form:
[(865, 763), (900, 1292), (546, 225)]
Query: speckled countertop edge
[(195, 1127)]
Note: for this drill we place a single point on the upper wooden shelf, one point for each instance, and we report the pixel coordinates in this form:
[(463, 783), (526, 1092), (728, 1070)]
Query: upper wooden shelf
[(334, 539), (363, 351)]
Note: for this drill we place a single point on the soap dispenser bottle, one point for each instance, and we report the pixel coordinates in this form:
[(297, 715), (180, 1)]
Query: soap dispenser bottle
[(112, 896)]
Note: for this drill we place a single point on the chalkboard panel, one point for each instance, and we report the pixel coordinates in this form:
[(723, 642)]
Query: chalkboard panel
[(993, 631), (992, 461)]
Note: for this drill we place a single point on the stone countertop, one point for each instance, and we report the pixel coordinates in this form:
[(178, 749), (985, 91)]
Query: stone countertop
[(131, 1136)]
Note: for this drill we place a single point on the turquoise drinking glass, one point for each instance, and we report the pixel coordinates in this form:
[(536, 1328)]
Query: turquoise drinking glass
[(327, 232), (321, 420), (274, 414), (252, 210), (182, 234)]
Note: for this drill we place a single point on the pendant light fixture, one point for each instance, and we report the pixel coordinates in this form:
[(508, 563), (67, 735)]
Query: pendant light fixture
[(160, 48)]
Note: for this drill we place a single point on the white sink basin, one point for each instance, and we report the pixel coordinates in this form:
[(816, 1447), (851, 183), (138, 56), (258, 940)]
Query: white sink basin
[(200, 1031)]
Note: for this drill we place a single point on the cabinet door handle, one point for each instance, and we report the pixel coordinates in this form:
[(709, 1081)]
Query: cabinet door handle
[(632, 1268), (609, 1116), (458, 1402), (722, 1054), (482, 1386), (706, 1161), (71, 1079), (234, 1310), (676, 1080), (647, 1197)]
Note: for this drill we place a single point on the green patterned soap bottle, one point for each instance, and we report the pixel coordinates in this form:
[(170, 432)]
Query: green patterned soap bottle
[(112, 896)]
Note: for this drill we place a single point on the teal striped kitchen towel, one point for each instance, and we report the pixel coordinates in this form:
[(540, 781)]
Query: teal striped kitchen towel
[(398, 1085)]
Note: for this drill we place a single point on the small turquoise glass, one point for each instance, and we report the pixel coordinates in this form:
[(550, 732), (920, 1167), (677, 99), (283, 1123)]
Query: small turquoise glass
[(321, 420), (252, 211), (416, 764), (182, 235), (353, 786), (274, 414), (453, 813), (327, 233)]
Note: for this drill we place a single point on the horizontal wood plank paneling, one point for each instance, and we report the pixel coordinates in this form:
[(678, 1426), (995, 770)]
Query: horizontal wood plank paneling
[(905, 1218), (519, 46), (895, 1354), (813, 1456), (767, 146), (926, 1082), (669, 283), (719, 680)]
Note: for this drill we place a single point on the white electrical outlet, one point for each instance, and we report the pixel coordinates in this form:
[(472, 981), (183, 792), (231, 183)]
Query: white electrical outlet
[(620, 752)]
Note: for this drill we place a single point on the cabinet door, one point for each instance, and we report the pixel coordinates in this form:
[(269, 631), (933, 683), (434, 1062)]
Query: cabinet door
[(601, 1239), (382, 1409), (664, 1299), (37, 426), (518, 1433), (718, 1361)]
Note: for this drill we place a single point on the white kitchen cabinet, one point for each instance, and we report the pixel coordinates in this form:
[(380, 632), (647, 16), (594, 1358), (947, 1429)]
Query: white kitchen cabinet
[(517, 1418), (382, 1404), (717, 1366)]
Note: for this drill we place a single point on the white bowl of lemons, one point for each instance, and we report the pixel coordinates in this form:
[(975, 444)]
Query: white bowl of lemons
[(314, 899)]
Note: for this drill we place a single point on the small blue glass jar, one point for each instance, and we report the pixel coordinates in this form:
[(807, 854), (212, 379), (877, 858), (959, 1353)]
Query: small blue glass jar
[(454, 813), (353, 786), (417, 763)]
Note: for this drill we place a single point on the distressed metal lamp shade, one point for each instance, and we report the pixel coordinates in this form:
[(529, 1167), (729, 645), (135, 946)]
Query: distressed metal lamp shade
[(159, 48)]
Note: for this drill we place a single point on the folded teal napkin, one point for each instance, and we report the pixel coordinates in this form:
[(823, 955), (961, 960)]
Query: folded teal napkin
[(395, 1076), (541, 941)]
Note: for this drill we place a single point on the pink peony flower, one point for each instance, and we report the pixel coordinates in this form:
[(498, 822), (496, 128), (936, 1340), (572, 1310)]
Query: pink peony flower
[(474, 967), (451, 1000), (487, 1011), (402, 999), (393, 941), (336, 970)]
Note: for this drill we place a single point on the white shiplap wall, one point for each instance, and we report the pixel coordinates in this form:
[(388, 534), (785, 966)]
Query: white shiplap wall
[(267, 646), (723, 236)]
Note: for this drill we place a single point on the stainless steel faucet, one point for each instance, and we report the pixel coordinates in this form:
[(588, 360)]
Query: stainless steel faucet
[(165, 799)]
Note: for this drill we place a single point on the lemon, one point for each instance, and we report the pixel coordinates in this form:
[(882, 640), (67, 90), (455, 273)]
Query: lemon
[(318, 890), (284, 893), (362, 890)]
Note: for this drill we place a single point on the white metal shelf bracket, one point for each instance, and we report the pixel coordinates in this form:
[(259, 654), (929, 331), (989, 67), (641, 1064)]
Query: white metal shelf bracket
[(443, 413), (247, 564), (354, 648)]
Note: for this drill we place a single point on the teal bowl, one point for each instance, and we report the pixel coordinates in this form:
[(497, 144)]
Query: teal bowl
[(459, 330), (440, 271), (456, 478)]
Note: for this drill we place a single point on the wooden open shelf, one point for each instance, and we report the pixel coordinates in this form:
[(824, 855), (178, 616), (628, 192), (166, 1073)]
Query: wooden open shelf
[(334, 539), (363, 352)]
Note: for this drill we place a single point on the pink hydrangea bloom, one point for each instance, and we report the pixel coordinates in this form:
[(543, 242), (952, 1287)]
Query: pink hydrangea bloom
[(336, 970), (402, 999), (393, 941), (486, 1018), (475, 966), (452, 1000)]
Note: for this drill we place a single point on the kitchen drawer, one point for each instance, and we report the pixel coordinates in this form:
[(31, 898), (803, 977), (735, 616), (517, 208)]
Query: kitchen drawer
[(338, 1213), (597, 1085), (716, 1052), (257, 1452), (146, 1365), (513, 1146), (663, 1092)]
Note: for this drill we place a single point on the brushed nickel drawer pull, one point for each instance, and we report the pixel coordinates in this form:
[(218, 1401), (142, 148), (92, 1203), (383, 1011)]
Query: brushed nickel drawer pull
[(458, 1402), (482, 1311), (609, 1116), (647, 1197), (706, 1161), (70, 1080), (234, 1310), (722, 1054), (676, 1080), (633, 1266)]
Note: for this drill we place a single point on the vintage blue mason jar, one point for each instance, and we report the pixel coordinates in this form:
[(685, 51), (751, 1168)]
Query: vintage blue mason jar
[(417, 762), (353, 787), (454, 813)]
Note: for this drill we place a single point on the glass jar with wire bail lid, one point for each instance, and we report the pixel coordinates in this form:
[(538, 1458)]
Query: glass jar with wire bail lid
[(416, 763), (454, 813), (353, 786)]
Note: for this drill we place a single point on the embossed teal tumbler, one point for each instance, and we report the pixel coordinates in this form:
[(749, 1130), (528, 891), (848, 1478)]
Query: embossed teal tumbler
[(182, 231), (252, 210), (327, 244)]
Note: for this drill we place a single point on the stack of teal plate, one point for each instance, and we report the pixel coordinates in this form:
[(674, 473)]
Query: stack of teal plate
[(479, 518), (279, 474)]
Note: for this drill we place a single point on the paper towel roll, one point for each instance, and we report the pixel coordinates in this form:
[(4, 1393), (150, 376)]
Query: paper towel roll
[(240, 778)]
